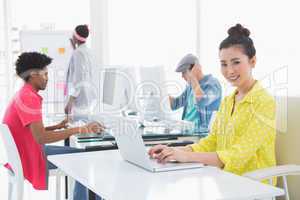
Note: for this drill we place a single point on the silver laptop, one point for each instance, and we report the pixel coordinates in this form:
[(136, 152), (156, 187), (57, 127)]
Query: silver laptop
[(132, 148)]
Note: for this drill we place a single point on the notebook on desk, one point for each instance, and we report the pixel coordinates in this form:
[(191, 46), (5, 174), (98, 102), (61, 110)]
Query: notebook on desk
[(133, 150)]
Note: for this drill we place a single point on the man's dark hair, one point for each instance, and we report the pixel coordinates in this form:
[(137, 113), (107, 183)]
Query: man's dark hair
[(29, 61), (82, 30)]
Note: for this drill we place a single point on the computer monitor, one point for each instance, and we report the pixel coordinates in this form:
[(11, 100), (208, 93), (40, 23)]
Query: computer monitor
[(138, 89), (109, 83), (151, 88), (118, 89)]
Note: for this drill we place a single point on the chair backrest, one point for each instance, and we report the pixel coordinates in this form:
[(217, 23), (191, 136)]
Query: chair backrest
[(16, 176), (288, 137)]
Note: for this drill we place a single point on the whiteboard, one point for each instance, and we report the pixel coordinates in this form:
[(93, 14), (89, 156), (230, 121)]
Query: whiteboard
[(55, 44)]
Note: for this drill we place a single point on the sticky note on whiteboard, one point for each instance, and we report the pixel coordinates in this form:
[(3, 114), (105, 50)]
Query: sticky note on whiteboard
[(44, 50), (61, 50)]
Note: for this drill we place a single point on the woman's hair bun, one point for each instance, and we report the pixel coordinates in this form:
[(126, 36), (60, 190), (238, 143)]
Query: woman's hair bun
[(238, 31)]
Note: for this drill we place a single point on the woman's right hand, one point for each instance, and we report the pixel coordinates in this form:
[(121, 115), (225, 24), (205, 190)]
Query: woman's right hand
[(153, 151), (164, 154)]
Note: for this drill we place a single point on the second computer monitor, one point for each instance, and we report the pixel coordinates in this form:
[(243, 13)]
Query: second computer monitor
[(118, 88)]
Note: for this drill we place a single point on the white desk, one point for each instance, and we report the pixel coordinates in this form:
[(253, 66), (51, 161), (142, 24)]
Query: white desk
[(108, 175)]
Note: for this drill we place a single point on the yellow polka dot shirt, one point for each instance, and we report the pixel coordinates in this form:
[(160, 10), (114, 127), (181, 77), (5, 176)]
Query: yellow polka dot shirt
[(245, 139)]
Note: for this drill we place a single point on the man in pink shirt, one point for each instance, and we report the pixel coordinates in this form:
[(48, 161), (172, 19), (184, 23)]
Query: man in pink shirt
[(24, 119)]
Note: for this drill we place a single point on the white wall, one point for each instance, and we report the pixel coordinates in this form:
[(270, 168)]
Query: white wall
[(145, 33), (16, 15), (159, 33), (140, 32), (5, 56), (99, 30), (60, 15), (274, 29)]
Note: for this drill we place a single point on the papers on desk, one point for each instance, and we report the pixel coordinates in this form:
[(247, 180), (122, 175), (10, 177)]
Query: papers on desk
[(155, 130), (154, 124), (167, 126)]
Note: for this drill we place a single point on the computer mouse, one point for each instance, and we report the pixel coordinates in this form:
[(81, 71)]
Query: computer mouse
[(132, 113), (155, 119), (141, 125)]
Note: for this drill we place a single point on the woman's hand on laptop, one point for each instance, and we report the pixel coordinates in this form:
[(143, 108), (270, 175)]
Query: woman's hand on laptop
[(165, 154), (155, 150)]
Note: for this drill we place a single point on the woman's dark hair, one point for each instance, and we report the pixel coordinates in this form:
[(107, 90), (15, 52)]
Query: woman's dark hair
[(82, 30), (239, 36), (31, 61)]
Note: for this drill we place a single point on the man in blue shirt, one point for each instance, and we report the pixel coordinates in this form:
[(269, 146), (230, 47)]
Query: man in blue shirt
[(201, 97)]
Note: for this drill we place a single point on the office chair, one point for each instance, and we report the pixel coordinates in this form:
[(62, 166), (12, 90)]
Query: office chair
[(287, 147), (15, 175), (277, 171)]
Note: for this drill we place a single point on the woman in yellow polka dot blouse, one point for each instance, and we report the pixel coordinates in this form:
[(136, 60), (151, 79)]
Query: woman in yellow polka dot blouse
[(242, 138)]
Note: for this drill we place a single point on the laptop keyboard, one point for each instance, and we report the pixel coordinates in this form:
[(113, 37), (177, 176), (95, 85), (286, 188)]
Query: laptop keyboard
[(155, 164)]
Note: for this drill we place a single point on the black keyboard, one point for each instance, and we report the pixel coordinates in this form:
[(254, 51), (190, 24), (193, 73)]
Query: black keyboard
[(180, 143), (101, 147), (173, 144)]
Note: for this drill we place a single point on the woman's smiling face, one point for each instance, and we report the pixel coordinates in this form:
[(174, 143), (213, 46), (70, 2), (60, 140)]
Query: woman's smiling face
[(236, 67)]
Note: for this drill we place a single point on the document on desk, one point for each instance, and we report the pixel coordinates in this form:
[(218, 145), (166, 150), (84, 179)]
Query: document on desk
[(155, 130), (153, 124), (168, 126)]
